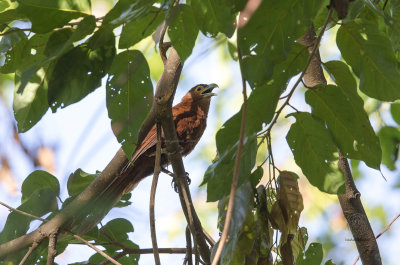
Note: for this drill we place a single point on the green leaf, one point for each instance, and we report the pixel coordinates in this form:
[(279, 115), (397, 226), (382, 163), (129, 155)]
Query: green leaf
[(219, 175), (214, 16), (390, 141), (30, 105), (79, 71), (183, 30), (256, 176), (57, 41), (118, 229), (395, 111), (343, 111), (261, 106), (371, 56), (261, 40), (38, 180), (313, 255), (232, 49), (140, 28), (126, 11), (46, 15), (129, 96), (62, 40), (9, 13), (39, 203), (341, 74), (8, 41), (315, 153), (241, 231), (78, 181)]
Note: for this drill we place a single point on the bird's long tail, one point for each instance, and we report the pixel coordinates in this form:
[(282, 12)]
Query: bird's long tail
[(124, 182)]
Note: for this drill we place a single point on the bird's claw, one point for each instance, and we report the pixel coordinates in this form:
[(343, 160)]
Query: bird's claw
[(173, 183)]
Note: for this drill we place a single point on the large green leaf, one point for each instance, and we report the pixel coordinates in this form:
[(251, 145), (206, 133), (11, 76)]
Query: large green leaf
[(219, 175), (183, 30), (395, 111), (8, 12), (370, 54), (390, 142), (129, 96), (140, 28), (9, 41), (261, 40), (116, 230), (343, 111), (126, 11), (315, 153), (313, 255), (59, 42), (241, 234), (214, 16), (46, 15), (62, 40), (38, 180), (79, 71), (261, 106), (39, 203), (78, 181), (30, 105)]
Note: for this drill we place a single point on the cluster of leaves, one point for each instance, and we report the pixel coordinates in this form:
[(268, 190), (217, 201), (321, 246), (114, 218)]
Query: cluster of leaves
[(40, 191), (68, 52)]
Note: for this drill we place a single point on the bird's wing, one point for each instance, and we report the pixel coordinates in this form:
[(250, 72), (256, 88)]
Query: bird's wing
[(148, 142)]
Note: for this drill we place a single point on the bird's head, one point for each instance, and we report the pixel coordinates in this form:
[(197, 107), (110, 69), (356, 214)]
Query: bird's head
[(201, 92)]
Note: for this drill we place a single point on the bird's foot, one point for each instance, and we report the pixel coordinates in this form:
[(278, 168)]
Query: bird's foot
[(173, 184)]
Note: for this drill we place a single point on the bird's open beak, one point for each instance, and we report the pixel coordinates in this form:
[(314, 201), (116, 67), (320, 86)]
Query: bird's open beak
[(207, 92)]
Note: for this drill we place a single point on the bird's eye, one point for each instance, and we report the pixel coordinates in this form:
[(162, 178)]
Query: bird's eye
[(198, 88)]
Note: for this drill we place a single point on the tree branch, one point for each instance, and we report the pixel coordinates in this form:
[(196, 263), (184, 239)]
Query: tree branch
[(350, 201), (157, 169), (232, 193)]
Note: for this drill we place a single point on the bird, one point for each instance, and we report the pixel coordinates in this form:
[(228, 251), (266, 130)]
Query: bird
[(190, 119)]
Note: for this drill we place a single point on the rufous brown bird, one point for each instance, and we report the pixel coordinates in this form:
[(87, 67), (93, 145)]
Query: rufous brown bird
[(190, 118)]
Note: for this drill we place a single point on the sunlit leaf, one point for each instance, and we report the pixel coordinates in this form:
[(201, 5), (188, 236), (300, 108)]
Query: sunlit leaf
[(46, 15), (140, 28), (343, 111), (390, 142), (78, 181), (313, 255), (372, 58), (261, 40), (315, 153), (38, 180), (129, 96), (215, 16), (183, 31), (241, 230), (395, 111), (79, 71)]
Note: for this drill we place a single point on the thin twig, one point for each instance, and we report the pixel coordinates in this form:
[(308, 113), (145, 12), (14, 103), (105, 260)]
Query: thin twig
[(232, 194), (71, 233), (145, 251), (188, 258), (209, 238), (95, 248), (29, 252), (22, 212), (299, 80), (381, 233), (157, 169)]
